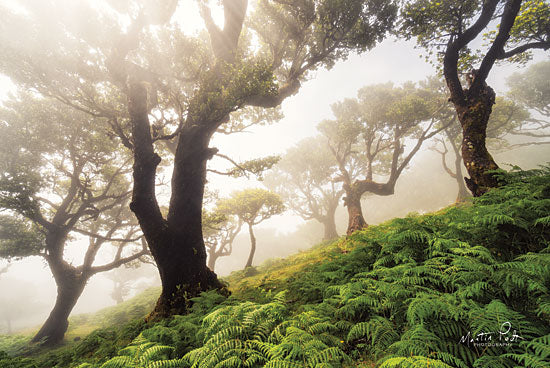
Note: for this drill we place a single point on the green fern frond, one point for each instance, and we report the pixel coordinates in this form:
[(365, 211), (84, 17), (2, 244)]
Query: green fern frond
[(544, 221), (413, 362)]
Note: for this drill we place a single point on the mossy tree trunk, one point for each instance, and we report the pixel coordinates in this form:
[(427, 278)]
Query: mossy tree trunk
[(478, 161)]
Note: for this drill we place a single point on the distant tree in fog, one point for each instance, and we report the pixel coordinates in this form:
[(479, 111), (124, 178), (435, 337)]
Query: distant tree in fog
[(62, 179), (252, 207), (125, 276), (220, 231), (531, 89), (18, 304), (371, 135), (306, 178)]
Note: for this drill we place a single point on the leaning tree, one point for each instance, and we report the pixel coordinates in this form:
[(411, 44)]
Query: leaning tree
[(306, 180), (62, 180), (252, 207), (132, 65), (450, 28), (370, 137)]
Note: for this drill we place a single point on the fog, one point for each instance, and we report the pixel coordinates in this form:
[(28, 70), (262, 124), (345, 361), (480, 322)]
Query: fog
[(423, 187)]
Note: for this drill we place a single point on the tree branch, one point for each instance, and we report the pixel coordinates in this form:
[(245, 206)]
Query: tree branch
[(508, 18), (452, 54)]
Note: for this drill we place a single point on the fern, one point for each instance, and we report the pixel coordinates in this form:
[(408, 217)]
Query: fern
[(413, 362), (143, 353)]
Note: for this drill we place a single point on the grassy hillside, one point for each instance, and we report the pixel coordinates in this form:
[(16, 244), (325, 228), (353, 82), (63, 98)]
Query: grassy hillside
[(467, 286)]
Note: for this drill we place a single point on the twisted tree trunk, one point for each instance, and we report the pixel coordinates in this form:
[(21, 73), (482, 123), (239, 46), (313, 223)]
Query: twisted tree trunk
[(473, 117)]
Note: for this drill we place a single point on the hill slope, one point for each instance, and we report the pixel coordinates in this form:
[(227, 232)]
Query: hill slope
[(464, 287)]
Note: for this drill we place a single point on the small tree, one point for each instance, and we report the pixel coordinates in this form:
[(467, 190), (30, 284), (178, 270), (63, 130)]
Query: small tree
[(219, 232), (369, 136), (252, 206), (450, 27), (306, 179), (18, 303), (124, 277)]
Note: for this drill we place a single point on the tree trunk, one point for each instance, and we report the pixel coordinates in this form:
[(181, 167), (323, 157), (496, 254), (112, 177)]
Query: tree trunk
[(478, 161), (118, 292), (176, 243), (252, 247), (463, 193), (212, 258), (330, 226), (69, 288), (356, 221), (181, 254)]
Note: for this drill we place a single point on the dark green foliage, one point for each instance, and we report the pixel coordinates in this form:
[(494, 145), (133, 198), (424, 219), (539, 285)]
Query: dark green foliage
[(7, 361), (18, 238)]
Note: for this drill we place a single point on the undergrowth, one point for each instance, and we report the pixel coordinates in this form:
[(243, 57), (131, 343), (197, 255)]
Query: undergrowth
[(464, 287)]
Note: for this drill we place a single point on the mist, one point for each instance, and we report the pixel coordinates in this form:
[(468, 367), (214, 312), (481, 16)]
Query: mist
[(161, 148)]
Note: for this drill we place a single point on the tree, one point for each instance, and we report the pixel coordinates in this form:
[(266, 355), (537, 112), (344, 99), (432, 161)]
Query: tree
[(18, 303), (124, 278), (508, 117), (155, 83), (512, 115), (219, 232), (252, 206), (531, 87), (450, 27), (368, 137), (306, 179), (62, 180), (531, 90)]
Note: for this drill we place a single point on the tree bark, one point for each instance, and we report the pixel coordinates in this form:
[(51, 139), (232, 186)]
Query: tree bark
[(356, 221), (70, 285), (473, 118), (329, 225), (212, 258), (252, 247)]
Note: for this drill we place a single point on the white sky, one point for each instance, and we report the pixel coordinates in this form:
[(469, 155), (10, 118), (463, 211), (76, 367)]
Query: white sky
[(390, 61)]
